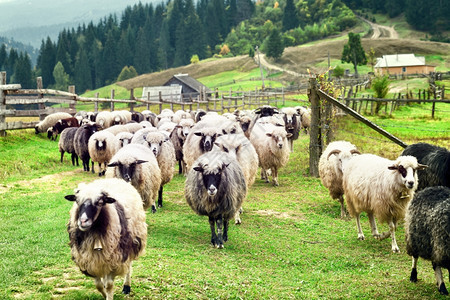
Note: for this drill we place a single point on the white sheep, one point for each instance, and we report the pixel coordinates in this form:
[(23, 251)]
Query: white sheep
[(124, 138), (104, 119), (139, 136), (305, 116), (382, 188), (137, 165), (49, 121), (271, 144), (240, 148), (102, 146), (161, 146), (215, 187), (331, 163), (107, 231), (180, 115), (121, 117)]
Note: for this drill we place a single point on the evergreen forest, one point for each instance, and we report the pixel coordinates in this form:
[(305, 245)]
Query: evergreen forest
[(148, 38)]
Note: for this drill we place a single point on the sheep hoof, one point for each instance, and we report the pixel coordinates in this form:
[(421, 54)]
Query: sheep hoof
[(219, 246), (237, 221), (377, 236), (395, 250), (275, 183), (442, 289), (153, 209), (361, 237), (126, 289), (413, 277)]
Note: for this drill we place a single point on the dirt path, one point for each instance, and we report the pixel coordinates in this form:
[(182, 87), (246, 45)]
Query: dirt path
[(380, 31), (267, 65)]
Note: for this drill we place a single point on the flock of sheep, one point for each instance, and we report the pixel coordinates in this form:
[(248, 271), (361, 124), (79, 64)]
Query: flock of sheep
[(220, 156)]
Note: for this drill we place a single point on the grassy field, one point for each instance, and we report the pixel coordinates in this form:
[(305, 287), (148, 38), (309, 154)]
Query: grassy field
[(291, 244)]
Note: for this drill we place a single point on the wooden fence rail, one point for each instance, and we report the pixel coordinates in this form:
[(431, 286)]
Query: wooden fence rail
[(13, 94)]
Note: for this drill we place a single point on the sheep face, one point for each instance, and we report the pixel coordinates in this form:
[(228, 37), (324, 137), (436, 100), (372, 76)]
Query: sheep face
[(407, 170), (245, 124), (343, 157), (211, 178), (89, 208), (124, 141), (279, 139), (266, 111), (207, 141), (230, 149), (155, 142), (127, 171)]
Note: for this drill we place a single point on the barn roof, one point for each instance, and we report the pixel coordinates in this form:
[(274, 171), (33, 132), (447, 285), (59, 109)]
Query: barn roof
[(399, 60), (189, 81)]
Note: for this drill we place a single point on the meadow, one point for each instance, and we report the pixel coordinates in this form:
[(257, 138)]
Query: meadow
[(292, 243)]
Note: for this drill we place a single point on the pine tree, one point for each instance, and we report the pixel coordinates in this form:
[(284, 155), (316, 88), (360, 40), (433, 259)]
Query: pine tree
[(22, 71), (142, 55), (3, 56), (274, 47), (353, 52), (290, 18), (46, 62), (82, 75)]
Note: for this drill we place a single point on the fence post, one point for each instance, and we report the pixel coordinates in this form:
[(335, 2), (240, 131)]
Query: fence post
[(112, 97), (433, 109), (315, 141), (2, 104), (72, 90), (132, 98), (160, 102), (96, 102), (40, 96)]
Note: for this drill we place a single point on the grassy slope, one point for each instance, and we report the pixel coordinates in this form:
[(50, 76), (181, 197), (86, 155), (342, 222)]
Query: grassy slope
[(292, 243)]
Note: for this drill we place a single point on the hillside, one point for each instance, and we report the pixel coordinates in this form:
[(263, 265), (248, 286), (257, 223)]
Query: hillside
[(296, 59)]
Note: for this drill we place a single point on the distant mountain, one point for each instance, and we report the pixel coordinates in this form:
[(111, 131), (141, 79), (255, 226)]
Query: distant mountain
[(31, 21), (20, 47)]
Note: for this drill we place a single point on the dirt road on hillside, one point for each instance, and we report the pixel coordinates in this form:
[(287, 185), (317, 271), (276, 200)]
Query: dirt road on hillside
[(380, 31)]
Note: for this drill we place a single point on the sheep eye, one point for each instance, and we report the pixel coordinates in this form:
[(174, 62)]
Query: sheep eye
[(402, 171), (225, 149)]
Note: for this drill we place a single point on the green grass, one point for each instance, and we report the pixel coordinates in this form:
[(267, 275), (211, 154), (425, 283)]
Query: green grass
[(291, 244)]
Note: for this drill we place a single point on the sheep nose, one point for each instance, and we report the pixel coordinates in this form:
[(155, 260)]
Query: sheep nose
[(154, 151), (207, 146), (127, 178), (212, 190), (410, 184), (280, 146)]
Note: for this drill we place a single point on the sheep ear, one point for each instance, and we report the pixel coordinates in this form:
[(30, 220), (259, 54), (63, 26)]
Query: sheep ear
[(289, 135), (421, 167), (198, 169), (224, 165), (217, 144), (140, 161), (393, 167), (114, 164), (198, 133), (268, 134), (107, 199), (70, 197)]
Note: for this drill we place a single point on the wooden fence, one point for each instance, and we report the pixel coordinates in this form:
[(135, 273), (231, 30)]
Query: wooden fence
[(13, 94)]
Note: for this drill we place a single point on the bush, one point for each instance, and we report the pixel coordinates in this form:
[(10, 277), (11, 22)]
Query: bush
[(380, 86), (338, 71), (194, 59)]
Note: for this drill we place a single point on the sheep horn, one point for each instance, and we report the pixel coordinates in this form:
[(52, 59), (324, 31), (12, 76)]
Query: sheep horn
[(354, 151), (333, 152)]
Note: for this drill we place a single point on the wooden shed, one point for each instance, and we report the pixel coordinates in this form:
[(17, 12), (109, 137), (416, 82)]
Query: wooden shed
[(402, 64), (190, 87)]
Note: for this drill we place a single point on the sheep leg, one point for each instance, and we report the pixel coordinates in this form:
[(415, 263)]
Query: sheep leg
[(343, 210), (127, 283), (100, 286), (373, 226), (212, 225), (180, 168), (225, 230), (440, 280), (62, 155), (76, 157), (99, 169), (220, 230), (392, 227), (291, 145), (413, 277), (275, 177), (358, 224), (264, 175), (93, 171), (160, 192), (109, 285), (237, 216)]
